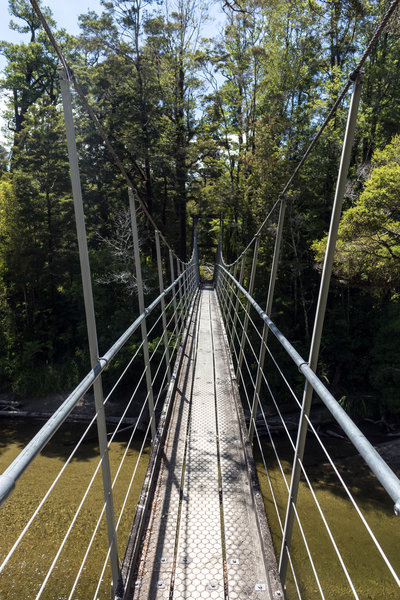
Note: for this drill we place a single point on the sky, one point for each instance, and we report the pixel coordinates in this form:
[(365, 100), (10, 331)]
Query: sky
[(65, 13)]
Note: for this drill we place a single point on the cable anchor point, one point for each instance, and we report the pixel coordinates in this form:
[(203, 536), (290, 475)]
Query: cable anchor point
[(100, 358), (357, 73)]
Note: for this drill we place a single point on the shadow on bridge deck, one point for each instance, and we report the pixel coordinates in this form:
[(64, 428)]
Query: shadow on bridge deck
[(202, 532)]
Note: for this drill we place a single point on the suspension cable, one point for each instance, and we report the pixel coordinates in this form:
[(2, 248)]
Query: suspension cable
[(71, 77), (350, 81)]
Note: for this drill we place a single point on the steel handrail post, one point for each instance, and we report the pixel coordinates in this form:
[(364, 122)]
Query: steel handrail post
[(163, 316), (182, 269), (268, 309), (235, 316), (180, 304), (186, 289), (195, 274), (90, 320), (318, 323), (192, 278), (143, 325), (224, 294), (219, 287), (196, 255), (227, 289), (185, 269), (229, 318), (246, 316), (218, 258), (174, 292), (189, 287)]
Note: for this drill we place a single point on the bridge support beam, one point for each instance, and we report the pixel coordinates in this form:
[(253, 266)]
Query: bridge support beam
[(90, 320), (318, 324), (235, 314), (143, 326), (270, 297), (162, 303), (246, 316)]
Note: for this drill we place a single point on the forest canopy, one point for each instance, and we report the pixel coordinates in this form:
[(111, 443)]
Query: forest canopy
[(368, 248), (209, 123)]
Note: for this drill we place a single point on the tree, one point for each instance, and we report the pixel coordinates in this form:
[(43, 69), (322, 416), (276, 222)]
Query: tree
[(31, 68), (368, 249), (39, 270), (173, 40), (144, 88)]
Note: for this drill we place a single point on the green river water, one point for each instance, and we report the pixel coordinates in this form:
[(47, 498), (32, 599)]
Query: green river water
[(22, 578), (371, 577)]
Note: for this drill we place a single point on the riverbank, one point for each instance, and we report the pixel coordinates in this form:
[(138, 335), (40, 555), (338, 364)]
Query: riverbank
[(44, 408), (384, 436)]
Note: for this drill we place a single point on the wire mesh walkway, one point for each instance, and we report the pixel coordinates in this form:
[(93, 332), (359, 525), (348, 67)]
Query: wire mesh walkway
[(206, 534)]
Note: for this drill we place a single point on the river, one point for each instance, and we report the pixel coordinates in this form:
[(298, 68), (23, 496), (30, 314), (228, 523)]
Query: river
[(28, 567), (22, 578), (369, 574)]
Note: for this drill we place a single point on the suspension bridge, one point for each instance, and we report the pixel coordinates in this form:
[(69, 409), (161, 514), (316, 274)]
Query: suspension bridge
[(199, 528)]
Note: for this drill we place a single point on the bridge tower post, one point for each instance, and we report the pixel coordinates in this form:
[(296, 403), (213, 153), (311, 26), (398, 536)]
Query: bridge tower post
[(270, 297), (246, 316), (90, 319), (171, 266), (357, 77), (143, 326), (162, 303)]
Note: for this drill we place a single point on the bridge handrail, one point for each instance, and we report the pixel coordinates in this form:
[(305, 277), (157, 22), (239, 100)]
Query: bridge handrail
[(376, 463), (14, 471)]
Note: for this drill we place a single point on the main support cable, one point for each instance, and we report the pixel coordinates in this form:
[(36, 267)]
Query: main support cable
[(72, 79), (352, 78)]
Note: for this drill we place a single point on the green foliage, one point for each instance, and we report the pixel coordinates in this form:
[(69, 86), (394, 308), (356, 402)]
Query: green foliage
[(207, 128), (384, 372), (368, 249)]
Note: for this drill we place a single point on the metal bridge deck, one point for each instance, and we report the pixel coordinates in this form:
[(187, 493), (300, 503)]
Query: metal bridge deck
[(203, 536)]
